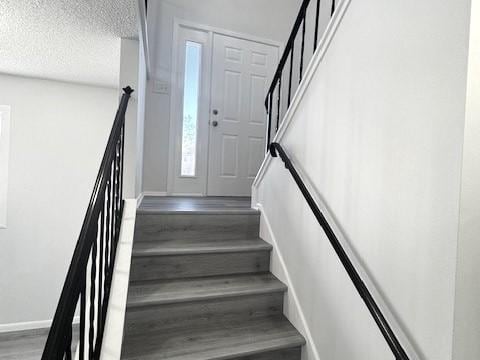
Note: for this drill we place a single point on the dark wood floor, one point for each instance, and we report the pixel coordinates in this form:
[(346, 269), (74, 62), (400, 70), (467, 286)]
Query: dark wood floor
[(194, 204), (22, 345)]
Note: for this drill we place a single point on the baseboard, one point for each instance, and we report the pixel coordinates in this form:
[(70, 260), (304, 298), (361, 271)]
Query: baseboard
[(30, 325), (291, 288), (154, 193)]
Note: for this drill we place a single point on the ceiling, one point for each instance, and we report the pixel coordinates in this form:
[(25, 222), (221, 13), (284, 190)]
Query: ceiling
[(67, 40)]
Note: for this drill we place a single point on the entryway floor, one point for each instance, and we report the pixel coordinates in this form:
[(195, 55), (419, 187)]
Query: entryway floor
[(188, 204)]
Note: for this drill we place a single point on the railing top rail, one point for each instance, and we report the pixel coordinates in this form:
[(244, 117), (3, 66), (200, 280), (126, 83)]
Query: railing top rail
[(382, 323)]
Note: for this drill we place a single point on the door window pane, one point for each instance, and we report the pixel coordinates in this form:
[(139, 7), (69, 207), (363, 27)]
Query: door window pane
[(191, 92)]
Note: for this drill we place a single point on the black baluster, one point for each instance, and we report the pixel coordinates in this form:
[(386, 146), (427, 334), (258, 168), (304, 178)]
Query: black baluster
[(270, 111), (107, 233), (100, 320), (333, 7), (317, 18), (120, 185), (279, 101), (68, 344), (122, 140), (81, 350), (117, 195), (93, 278), (114, 203), (303, 48), (112, 241), (290, 77)]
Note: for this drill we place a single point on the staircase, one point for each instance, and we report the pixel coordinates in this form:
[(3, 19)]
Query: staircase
[(200, 288)]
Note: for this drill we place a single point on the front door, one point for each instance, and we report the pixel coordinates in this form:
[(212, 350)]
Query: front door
[(241, 73)]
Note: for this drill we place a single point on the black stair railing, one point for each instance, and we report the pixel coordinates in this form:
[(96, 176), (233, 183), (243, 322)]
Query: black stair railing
[(382, 323), (275, 103), (87, 285)]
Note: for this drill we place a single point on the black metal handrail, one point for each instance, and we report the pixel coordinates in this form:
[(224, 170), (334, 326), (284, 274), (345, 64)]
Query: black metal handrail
[(288, 54), (96, 247), (362, 289)]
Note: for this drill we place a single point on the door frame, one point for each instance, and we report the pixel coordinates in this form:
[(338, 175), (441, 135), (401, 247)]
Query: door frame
[(174, 114)]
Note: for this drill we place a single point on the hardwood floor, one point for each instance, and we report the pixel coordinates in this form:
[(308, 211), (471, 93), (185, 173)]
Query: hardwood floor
[(22, 345), (200, 287)]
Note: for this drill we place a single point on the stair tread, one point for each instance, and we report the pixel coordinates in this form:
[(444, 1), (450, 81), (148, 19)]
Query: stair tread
[(219, 340), (183, 290), (195, 246), (187, 211)]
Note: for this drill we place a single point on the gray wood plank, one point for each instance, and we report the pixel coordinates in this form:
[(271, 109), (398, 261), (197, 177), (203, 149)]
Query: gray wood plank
[(194, 246), (285, 354), (202, 313), (23, 345), (188, 290), (154, 227), (199, 265), (215, 341), (28, 344), (194, 204)]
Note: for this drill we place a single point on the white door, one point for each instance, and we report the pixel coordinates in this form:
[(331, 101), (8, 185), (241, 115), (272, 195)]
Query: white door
[(241, 74)]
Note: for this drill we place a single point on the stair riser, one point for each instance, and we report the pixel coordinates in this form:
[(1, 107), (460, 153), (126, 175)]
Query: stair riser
[(196, 226), (198, 313), (197, 265), (289, 354)]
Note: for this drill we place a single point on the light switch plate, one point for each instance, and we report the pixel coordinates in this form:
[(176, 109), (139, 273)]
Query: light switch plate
[(161, 87)]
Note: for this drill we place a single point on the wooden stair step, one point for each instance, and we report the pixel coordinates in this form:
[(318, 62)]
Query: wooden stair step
[(195, 246), (199, 265), (148, 293), (153, 227), (218, 340)]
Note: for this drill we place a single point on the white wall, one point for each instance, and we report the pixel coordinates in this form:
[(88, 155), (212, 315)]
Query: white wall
[(4, 160), (129, 73), (379, 133), (467, 302), (244, 16), (141, 93), (133, 72), (58, 135)]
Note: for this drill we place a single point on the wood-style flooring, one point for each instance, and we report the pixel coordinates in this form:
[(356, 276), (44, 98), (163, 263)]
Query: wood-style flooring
[(22, 345), (200, 286)]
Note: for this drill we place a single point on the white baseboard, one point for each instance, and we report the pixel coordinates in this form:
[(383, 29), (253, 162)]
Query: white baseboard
[(30, 325), (291, 288), (154, 193)]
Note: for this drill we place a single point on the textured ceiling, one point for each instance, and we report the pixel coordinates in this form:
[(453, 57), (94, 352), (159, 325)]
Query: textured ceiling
[(68, 40)]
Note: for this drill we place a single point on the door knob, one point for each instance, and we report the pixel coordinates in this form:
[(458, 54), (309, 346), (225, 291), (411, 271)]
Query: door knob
[(215, 123)]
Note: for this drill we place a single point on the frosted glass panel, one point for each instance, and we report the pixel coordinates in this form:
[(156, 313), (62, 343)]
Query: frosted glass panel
[(193, 56)]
